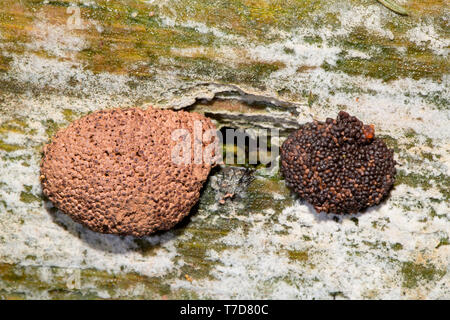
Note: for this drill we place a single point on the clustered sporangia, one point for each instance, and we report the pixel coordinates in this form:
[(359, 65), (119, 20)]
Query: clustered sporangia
[(112, 170), (338, 166)]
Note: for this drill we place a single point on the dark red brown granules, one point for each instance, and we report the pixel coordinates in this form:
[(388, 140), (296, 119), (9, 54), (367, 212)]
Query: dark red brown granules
[(338, 165), (113, 172)]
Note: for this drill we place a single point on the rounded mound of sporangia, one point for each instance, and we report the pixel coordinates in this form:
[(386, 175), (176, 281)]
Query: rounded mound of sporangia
[(338, 166), (113, 172)]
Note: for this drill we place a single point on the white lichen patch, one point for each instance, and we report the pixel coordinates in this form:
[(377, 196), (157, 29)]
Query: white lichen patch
[(298, 54), (55, 40), (425, 36), (372, 17)]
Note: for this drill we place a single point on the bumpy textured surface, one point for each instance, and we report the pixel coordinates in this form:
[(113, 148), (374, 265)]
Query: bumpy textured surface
[(338, 166), (113, 172)]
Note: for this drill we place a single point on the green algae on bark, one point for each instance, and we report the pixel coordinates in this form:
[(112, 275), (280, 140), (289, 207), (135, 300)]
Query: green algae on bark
[(9, 147), (124, 40), (14, 126), (415, 273), (28, 197), (62, 283)]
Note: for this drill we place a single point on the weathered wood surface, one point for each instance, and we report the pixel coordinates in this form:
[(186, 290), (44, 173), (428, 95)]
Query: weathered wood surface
[(246, 63)]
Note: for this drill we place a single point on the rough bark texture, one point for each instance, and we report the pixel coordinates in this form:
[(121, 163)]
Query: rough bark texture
[(246, 64)]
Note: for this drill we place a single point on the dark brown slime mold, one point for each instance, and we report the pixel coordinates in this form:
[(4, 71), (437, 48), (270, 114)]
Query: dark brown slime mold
[(113, 172), (338, 165)]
